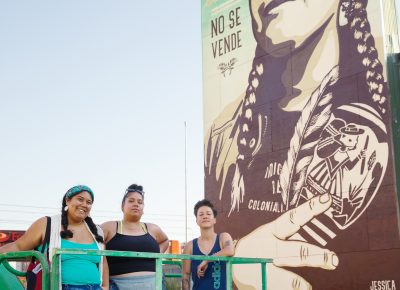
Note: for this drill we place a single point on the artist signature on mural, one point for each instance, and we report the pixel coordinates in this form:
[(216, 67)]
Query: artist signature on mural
[(383, 285)]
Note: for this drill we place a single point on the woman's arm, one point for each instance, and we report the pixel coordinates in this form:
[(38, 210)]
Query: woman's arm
[(109, 230), (226, 244), (160, 236), (227, 250), (188, 250), (106, 277), (31, 239)]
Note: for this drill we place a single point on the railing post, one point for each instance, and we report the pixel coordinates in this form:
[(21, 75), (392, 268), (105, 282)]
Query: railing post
[(55, 272), (264, 275), (229, 274), (393, 69), (159, 274), (22, 255), (10, 269)]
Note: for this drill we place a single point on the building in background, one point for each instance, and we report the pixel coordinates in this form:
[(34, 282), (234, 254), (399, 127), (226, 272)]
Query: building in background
[(300, 124), (9, 236)]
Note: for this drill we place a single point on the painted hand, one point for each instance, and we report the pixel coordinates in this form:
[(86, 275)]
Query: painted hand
[(272, 240)]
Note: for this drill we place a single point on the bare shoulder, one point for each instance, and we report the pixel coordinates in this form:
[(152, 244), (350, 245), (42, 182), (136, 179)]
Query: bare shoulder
[(109, 229), (39, 225), (34, 235), (153, 228), (225, 236), (108, 225), (188, 248), (225, 240), (41, 221)]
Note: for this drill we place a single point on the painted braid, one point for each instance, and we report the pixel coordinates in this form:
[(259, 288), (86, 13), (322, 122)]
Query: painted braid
[(364, 44), (356, 14), (249, 127)]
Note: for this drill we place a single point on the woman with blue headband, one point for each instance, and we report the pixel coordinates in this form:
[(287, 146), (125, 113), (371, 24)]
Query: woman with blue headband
[(72, 229)]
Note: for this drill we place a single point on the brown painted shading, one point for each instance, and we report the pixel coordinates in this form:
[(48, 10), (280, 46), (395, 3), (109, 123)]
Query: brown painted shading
[(264, 158)]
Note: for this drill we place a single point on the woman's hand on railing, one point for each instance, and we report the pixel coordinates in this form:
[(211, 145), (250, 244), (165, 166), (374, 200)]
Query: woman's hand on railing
[(201, 269)]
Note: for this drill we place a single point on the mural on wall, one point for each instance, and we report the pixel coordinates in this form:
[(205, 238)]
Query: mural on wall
[(297, 145)]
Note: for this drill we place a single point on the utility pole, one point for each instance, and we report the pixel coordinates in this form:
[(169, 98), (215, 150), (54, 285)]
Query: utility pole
[(186, 197)]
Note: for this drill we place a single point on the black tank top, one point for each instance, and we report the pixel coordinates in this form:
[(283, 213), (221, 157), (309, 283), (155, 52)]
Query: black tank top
[(143, 243)]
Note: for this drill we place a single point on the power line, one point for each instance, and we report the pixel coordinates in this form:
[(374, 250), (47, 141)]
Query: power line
[(29, 206), (95, 216), (27, 212), (96, 210)]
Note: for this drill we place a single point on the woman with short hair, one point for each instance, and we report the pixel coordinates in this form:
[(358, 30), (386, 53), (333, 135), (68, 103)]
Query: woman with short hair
[(206, 274)]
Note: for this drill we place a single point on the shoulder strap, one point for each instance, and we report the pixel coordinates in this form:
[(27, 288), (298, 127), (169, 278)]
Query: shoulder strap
[(118, 227), (195, 247), (218, 242), (46, 239), (144, 227), (47, 234)]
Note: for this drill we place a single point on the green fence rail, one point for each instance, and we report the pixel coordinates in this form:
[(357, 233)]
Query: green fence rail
[(51, 280), (23, 256), (13, 271), (160, 260), (176, 263), (393, 67)]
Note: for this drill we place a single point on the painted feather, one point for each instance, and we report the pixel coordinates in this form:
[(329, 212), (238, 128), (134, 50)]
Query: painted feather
[(312, 121)]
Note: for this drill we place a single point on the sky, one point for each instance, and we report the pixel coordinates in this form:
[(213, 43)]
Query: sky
[(97, 92)]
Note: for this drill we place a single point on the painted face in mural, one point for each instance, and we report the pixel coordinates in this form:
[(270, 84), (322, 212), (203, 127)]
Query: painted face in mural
[(281, 23), (350, 141)]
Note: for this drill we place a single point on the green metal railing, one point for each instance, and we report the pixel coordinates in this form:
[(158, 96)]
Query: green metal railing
[(160, 260), (23, 256), (393, 66), (173, 262), (51, 280)]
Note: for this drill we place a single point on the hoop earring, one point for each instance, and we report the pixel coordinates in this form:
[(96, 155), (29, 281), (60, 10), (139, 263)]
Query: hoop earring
[(66, 208)]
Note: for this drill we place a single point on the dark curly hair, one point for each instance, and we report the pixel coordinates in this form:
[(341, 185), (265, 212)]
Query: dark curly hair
[(133, 188), (204, 202)]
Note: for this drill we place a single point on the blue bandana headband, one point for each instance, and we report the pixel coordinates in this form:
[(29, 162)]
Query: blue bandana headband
[(78, 189)]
